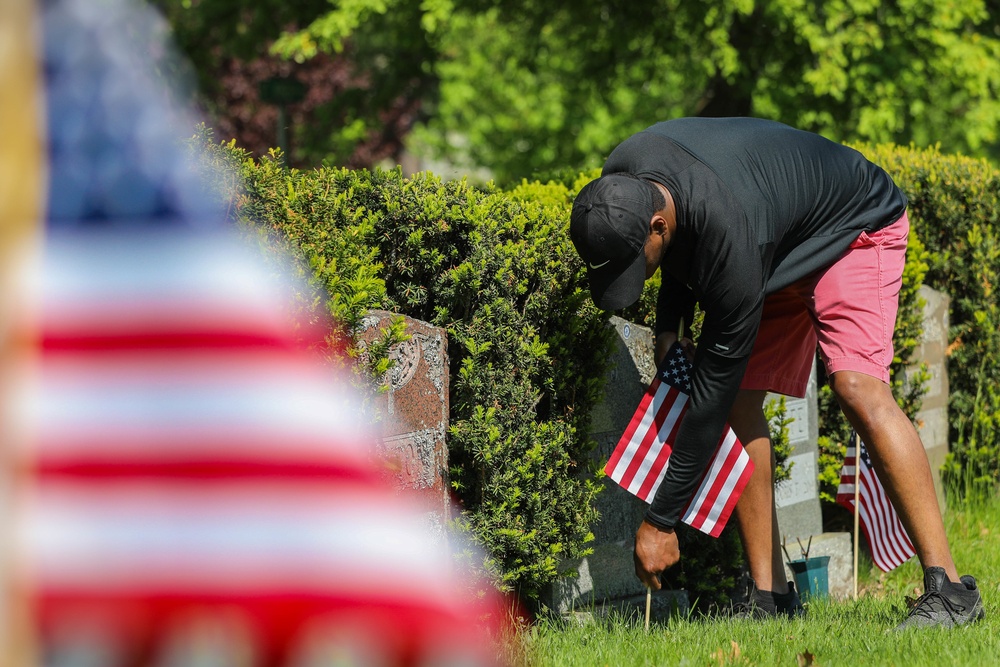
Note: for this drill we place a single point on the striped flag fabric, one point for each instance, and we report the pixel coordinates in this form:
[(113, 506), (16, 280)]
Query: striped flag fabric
[(187, 479), (887, 539), (642, 455), (181, 459)]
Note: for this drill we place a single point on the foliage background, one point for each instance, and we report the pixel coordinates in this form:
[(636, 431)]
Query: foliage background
[(526, 346), (526, 89)]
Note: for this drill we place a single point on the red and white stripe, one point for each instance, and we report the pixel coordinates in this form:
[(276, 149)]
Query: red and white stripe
[(178, 451), (887, 539), (131, 536)]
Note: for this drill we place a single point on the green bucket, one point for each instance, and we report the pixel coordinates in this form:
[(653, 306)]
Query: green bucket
[(812, 576)]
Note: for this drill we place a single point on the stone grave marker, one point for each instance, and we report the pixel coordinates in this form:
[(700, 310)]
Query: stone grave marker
[(797, 498), (412, 417), (607, 576), (932, 419), (606, 579)]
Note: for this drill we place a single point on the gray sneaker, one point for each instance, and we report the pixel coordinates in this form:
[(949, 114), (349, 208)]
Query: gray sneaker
[(944, 603)]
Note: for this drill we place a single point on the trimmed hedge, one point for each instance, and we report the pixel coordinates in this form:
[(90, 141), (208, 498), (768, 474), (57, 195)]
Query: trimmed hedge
[(527, 348), (955, 209)]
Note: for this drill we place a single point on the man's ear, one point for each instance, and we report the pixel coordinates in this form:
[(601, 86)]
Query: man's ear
[(658, 225)]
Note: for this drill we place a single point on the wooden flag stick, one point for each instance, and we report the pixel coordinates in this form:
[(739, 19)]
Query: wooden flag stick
[(649, 603), (857, 506), (649, 591)]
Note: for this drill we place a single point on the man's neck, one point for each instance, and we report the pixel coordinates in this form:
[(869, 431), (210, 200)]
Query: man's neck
[(669, 213)]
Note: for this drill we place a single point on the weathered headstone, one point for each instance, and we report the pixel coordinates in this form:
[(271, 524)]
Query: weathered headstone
[(797, 498), (840, 549), (932, 419), (800, 518), (607, 577), (413, 413)]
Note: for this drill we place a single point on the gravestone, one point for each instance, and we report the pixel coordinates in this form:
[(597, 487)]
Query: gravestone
[(606, 578), (797, 498), (932, 349), (800, 518), (412, 416)]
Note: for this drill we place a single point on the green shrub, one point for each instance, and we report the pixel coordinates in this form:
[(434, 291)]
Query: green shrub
[(527, 349), (955, 209)]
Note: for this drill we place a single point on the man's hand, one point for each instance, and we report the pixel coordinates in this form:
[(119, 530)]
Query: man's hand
[(655, 551), (663, 343)]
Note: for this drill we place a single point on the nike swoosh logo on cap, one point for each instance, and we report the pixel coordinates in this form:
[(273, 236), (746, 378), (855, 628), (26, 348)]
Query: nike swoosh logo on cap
[(597, 266)]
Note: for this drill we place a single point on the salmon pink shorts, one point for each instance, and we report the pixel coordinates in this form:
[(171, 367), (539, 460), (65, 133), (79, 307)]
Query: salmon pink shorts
[(849, 309)]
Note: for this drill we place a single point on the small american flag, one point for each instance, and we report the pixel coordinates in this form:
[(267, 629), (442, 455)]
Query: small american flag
[(889, 543), (640, 460)]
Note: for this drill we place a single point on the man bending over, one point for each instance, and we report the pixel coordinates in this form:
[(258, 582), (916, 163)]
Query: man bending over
[(786, 240)]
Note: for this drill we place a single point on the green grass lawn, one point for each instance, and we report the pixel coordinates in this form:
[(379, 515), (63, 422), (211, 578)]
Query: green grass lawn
[(854, 632)]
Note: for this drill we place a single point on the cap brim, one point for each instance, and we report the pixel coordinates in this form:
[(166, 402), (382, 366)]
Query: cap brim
[(612, 290)]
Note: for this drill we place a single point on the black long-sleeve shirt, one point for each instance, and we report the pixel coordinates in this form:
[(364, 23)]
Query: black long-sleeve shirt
[(759, 206)]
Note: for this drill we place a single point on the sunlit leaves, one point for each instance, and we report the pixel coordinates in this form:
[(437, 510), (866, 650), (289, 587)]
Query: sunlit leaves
[(527, 348)]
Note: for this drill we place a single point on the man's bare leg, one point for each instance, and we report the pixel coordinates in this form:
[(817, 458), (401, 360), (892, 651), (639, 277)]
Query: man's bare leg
[(900, 461), (756, 516)]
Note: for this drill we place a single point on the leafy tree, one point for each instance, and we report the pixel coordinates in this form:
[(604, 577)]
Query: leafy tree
[(358, 101), (526, 88), (542, 88)]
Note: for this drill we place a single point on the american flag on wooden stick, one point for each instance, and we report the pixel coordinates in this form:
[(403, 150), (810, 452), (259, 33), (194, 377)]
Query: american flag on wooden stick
[(890, 545), (640, 459)]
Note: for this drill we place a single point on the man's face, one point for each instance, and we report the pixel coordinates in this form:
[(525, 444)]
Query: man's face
[(654, 249)]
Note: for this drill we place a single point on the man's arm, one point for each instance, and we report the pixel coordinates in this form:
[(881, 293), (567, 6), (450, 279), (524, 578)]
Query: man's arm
[(714, 384), (733, 310), (732, 296), (656, 547), (674, 306)]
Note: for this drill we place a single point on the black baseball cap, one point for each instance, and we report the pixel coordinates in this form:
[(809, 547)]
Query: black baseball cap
[(609, 226)]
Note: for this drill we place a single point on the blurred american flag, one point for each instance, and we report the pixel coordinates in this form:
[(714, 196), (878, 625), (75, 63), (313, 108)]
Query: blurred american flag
[(186, 483), (183, 455)]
